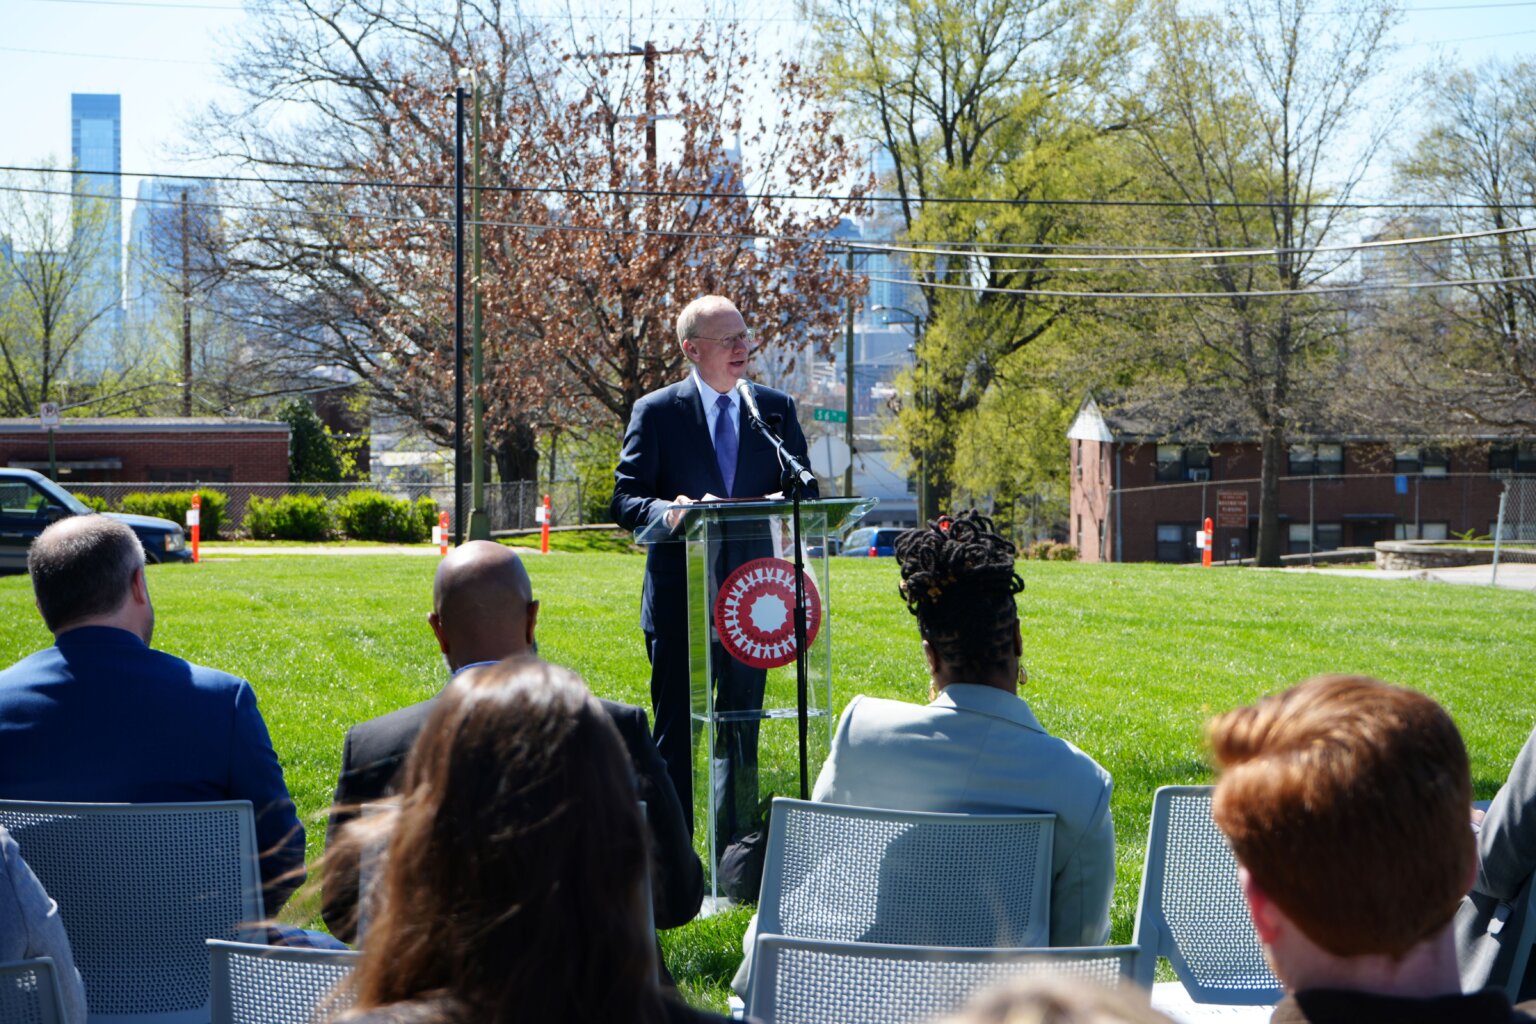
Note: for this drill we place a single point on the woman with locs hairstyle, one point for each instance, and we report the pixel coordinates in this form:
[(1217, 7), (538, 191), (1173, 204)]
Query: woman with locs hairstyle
[(513, 882)]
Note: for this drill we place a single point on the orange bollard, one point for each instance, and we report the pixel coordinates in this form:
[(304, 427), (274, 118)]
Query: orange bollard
[(1210, 542), (194, 520), (543, 514), (440, 533)]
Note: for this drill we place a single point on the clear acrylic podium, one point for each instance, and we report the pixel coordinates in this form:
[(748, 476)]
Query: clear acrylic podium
[(745, 716)]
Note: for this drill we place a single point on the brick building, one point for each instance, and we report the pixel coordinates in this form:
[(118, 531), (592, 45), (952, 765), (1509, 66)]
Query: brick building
[(1139, 492), (210, 450)]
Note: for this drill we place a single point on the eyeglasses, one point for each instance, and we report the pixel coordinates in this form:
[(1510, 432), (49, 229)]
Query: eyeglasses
[(746, 337)]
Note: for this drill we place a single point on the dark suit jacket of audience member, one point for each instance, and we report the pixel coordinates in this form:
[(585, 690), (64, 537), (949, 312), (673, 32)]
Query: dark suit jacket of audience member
[(375, 751), (101, 717)]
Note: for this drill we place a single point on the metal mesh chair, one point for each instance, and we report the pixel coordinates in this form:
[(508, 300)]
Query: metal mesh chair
[(29, 992), (274, 984), (819, 982), (868, 875), (140, 887), (1192, 911)]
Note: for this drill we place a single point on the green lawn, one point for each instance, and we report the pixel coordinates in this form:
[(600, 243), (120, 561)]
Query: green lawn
[(1126, 661)]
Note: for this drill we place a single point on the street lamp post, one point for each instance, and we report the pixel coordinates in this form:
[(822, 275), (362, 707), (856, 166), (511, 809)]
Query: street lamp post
[(917, 321)]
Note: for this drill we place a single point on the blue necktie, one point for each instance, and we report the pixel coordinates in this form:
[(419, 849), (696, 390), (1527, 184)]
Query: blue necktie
[(725, 441)]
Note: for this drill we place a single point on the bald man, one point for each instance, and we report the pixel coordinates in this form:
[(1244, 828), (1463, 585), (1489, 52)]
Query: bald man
[(482, 612)]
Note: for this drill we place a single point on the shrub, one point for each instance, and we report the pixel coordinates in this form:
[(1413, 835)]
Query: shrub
[(1064, 553), (95, 502), (173, 505), (370, 515), (426, 511), (1050, 551), (291, 517)]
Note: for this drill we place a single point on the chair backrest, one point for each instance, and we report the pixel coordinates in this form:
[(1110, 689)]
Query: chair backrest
[(275, 984), (1192, 910), (815, 981), (867, 875), (29, 992), (140, 887)]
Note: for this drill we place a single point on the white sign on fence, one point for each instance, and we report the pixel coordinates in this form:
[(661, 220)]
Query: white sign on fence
[(48, 412)]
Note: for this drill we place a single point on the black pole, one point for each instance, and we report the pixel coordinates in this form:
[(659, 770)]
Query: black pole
[(458, 317), (802, 684)]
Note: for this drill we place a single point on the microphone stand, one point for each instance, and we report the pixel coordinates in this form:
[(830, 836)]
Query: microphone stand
[(794, 478)]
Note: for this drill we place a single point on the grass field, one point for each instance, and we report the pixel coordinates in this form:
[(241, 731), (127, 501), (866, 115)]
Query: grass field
[(1125, 661)]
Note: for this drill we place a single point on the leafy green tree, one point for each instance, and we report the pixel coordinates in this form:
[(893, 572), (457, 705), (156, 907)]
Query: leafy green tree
[(1005, 100), (311, 457)]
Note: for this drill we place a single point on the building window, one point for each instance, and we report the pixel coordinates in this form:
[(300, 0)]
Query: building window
[(1422, 531), (1176, 542), (1177, 463), (1435, 462), (1316, 460), (1406, 460), (1078, 450), (1512, 458), (1103, 539), (1170, 462), (1077, 537), (1321, 537)]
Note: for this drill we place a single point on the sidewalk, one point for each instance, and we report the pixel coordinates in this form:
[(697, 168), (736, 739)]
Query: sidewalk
[(1512, 576)]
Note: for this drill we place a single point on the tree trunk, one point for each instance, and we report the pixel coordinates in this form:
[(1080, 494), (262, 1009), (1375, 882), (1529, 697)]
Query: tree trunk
[(517, 454), (1272, 451)]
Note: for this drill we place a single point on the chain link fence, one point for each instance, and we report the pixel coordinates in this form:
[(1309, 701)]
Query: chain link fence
[(509, 506), (1516, 525)]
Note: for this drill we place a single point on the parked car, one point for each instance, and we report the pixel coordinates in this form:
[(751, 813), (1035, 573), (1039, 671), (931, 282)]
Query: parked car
[(29, 502), (872, 542)]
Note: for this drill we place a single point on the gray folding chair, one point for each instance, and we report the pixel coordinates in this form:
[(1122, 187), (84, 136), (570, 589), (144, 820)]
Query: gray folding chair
[(254, 984), (869, 875), (1192, 912), (814, 981), (29, 992), (140, 887)]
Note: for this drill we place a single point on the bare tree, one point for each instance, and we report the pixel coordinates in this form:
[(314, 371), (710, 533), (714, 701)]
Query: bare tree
[(1257, 122)]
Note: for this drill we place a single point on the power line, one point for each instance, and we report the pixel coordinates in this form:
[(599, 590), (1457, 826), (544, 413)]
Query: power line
[(1211, 254), (1254, 294), (643, 193)]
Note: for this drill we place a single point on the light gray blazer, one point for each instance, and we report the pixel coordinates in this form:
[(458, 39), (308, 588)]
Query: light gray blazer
[(1492, 916), (30, 926), (980, 750)]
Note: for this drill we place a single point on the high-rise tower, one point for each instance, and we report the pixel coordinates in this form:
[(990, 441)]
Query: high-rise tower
[(96, 146)]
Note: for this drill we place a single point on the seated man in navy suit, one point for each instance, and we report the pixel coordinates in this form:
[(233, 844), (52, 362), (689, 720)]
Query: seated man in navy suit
[(482, 612), (100, 717), (686, 441)]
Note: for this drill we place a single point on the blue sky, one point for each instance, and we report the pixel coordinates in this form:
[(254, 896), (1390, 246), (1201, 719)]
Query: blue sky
[(160, 55)]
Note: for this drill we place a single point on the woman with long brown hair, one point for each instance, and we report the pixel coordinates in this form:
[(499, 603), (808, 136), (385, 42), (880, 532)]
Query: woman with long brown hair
[(513, 883)]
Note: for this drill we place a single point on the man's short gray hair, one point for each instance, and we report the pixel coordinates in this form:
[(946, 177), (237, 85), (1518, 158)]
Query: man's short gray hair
[(80, 568), (688, 319)]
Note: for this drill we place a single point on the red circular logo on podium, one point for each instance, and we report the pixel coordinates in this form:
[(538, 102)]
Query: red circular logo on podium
[(755, 613)]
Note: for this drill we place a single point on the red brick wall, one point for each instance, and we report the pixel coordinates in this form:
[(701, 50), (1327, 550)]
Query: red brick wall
[(1467, 498), (252, 456), (1092, 484)]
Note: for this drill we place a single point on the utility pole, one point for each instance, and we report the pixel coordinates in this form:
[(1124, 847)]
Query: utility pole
[(186, 312), (479, 522), (458, 316)]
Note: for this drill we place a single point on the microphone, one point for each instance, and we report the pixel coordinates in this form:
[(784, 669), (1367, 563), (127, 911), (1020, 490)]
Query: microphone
[(748, 402)]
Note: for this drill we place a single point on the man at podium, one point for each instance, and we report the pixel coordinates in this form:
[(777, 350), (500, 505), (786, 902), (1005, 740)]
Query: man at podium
[(684, 442)]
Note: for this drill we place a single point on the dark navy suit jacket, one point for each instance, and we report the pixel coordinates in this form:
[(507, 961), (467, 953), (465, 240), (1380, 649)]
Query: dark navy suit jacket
[(375, 751), (102, 718), (668, 451)]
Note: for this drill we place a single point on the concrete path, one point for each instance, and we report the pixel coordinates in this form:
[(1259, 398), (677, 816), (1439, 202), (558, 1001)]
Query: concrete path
[(1513, 576)]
